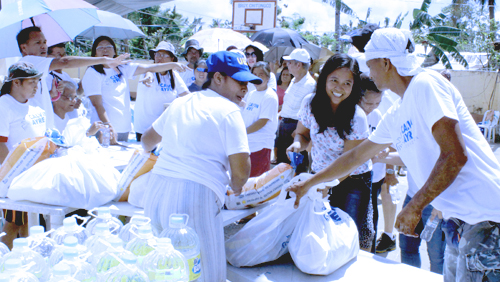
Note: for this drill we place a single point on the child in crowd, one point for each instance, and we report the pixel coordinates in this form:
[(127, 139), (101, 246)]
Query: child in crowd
[(200, 73)]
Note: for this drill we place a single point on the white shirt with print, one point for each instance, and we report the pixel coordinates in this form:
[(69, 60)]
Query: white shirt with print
[(373, 119), (188, 76), (294, 95)]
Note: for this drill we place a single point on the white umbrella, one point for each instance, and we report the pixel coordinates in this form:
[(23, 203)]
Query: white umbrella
[(114, 26), (316, 52), (218, 39)]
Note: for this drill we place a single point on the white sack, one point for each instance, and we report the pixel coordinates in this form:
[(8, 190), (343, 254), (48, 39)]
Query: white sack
[(138, 189)]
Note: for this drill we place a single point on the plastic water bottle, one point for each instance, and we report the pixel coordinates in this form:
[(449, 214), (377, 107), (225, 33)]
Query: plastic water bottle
[(69, 242), (106, 136), (80, 269), (127, 271), (143, 244), (185, 240), (104, 216), (61, 273), (136, 220), (40, 243), (430, 227), (109, 259), (34, 262), (14, 272), (395, 194), (70, 228), (98, 243), (165, 263)]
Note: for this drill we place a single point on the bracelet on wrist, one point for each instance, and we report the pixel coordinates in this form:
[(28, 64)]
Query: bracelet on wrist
[(390, 171)]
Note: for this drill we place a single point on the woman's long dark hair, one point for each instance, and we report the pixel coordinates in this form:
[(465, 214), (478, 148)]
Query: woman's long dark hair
[(170, 72), (258, 52), (281, 73), (100, 68), (321, 104)]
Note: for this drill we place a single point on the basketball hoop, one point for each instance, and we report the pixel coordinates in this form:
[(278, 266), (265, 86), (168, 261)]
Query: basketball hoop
[(254, 15)]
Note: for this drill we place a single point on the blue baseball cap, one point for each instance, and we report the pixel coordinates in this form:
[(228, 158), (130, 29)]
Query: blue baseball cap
[(233, 65)]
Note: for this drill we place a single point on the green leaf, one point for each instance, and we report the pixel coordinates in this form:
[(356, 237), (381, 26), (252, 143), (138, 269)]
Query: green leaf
[(442, 56), (416, 12), (445, 30), (425, 5), (442, 40)]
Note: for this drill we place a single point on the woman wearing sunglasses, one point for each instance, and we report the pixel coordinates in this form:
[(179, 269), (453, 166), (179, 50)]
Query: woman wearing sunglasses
[(254, 55), (200, 74), (166, 86)]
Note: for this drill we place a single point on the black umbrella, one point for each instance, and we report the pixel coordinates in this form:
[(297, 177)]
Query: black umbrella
[(279, 37)]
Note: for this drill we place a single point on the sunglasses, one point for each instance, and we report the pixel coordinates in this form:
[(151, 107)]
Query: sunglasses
[(201, 69), (109, 47), (251, 55)]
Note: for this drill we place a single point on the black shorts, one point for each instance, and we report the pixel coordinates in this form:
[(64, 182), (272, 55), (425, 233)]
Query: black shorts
[(19, 218)]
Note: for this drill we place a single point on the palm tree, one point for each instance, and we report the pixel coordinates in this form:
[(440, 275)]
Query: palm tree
[(430, 32), (491, 7), (340, 7)]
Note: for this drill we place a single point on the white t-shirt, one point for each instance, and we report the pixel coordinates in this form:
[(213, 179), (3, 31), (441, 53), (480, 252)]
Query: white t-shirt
[(19, 121), (271, 83), (294, 95), (63, 76), (115, 94), (373, 119), (328, 146), (42, 97), (59, 123), (474, 196), (150, 101), (259, 105), (188, 76), (388, 99), (199, 131)]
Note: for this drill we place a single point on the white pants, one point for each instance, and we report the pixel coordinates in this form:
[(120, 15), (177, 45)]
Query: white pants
[(167, 195)]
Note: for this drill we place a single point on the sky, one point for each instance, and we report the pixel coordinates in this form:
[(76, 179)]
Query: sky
[(320, 17)]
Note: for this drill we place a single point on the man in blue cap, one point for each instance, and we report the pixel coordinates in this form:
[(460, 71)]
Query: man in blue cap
[(202, 137)]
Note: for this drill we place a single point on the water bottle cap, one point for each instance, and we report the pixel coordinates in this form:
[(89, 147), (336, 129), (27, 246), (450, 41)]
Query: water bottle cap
[(70, 241), (115, 242), (164, 242), (70, 253), (13, 264), (145, 229), (178, 220), (103, 212), (129, 259), (100, 227), (20, 242), (69, 223), (36, 230), (61, 269), (139, 219)]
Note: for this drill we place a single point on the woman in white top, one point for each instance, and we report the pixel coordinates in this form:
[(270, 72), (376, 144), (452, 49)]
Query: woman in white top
[(108, 90), (261, 120), (165, 87), (18, 121)]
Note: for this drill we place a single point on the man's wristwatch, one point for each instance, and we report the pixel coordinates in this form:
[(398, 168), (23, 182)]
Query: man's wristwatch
[(390, 171)]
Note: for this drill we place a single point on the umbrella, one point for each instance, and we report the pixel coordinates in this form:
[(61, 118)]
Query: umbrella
[(316, 52), (123, 7), (218, 39), (279, 37), (60, 20), (114, 26)]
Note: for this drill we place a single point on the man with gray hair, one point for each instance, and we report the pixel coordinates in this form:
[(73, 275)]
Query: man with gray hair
[(450, 161), (301, 85)]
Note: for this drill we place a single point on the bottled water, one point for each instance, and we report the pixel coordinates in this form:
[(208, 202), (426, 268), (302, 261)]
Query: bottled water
[(80, 270), (430, 227), (69, 242), (109, 259), (61, 273), (14, 272), (40, 243), (106, 136), (33, 261), (144, 243), (3, 248), (104, 216), (185, 240), (136, 220), (395, 194), (165, 263), (126, 271), (70, 228), (98, 243)]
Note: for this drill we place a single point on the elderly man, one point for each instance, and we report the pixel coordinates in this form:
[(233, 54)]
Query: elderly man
[(301, 85), (192, 54), (450, 161)]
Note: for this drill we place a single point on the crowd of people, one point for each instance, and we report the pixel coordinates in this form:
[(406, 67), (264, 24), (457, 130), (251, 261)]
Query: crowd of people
[(226, 118)]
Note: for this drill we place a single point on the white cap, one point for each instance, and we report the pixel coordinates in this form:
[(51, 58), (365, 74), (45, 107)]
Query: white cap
[(300, 55)]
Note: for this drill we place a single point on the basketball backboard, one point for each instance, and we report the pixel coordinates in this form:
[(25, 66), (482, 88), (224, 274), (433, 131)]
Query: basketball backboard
[(253, 15)]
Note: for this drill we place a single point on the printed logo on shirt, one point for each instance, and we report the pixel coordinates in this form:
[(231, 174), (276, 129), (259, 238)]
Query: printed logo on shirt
[(406, 135), (115, 78), (252, 106), (372, 128), (165, 87), (38, 118)]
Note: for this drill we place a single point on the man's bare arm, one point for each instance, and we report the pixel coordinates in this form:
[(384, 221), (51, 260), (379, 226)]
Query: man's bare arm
[(78, 62)]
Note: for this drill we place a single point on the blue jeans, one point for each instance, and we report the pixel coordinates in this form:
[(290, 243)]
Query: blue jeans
[(435, 247)]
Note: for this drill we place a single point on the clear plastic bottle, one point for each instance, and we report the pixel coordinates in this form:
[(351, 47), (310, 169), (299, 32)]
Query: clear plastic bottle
[(430, 227), (61, 273), (104, 216), (98, 243), (185, 240), (395, 194), (70, 228), (127, 271), (34, 262), (40, 243), (106, 136), (15, 273), (69, 242), (109, 259), (80, 269), (136, 220), (143, 244), (165, 263), (3, 248)]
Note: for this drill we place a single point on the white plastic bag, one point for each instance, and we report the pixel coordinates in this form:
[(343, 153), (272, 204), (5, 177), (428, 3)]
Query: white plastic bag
[(75, 131), (138, 189), (76, 180), (324, 238)]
